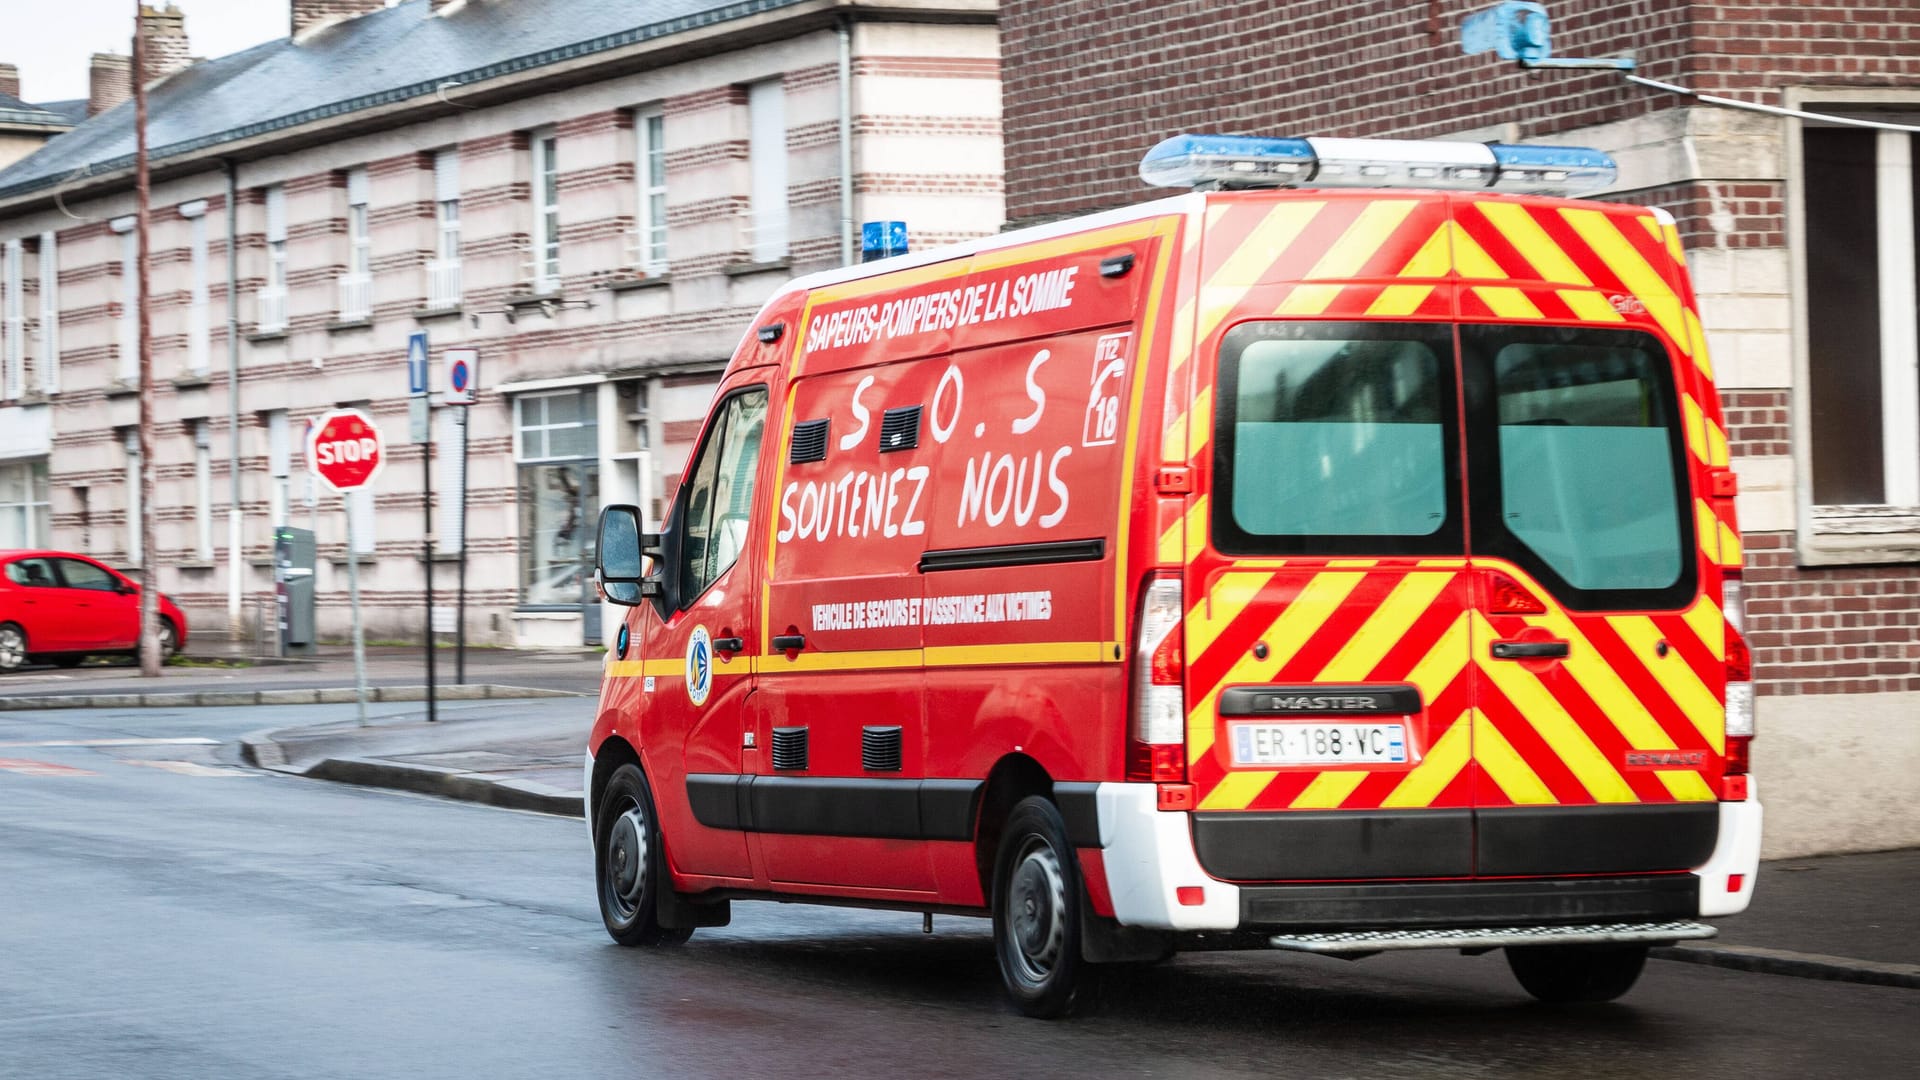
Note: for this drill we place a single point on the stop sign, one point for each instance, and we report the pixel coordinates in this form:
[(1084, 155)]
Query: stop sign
[(345, 450)]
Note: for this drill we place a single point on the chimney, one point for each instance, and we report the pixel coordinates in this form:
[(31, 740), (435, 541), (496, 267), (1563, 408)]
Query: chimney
[(9, 80), (312, 14), (109, 82), (166, 33)]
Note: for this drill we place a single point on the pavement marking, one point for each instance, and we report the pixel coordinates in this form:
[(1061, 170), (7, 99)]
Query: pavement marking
[(191, 768), (51, 743), (1802, 965), (41, 768)]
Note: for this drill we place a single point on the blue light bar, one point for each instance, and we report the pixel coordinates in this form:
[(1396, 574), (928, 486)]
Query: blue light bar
[(1215, 162)]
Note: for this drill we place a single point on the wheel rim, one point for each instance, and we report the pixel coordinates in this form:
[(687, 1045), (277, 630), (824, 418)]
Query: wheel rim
[(626, 862), (167, 642), (1036, 911), (13, 648)]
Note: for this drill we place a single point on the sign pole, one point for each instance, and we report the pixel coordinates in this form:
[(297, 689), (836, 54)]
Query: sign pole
[(460, 620), (426, 507), (359, 634)]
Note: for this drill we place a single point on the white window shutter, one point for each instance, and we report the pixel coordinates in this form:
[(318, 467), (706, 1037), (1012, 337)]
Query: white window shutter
[(48, 366)]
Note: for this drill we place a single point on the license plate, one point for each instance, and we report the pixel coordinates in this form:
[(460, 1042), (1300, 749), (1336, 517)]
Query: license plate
[(1319, 744)]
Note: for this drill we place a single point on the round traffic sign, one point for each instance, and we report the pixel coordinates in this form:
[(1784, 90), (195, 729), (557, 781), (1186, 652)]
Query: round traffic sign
[(460, 376), (344, 450)]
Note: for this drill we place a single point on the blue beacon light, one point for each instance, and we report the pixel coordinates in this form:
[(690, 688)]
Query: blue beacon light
[(1217, 162)]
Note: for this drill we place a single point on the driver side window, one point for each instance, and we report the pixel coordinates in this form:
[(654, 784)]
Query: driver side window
[(85, 575), (720, 493)]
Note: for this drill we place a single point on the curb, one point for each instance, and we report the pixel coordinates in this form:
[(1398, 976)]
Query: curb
[(1795, 964), (228, 698), (448, 783)]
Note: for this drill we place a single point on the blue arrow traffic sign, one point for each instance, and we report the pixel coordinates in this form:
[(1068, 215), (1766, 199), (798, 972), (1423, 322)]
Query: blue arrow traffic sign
[(417, 363)]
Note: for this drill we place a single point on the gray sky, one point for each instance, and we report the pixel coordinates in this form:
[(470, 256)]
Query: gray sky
[(51, 40)]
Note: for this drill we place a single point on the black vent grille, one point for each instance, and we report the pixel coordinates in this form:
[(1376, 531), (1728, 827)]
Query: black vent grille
[(809, 442), (900, 429), (880, 749), (790, 748)]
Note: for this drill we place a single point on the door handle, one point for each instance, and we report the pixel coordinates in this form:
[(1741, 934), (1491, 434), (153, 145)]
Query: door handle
[(1529, 650), (729, 644), (789, 642)]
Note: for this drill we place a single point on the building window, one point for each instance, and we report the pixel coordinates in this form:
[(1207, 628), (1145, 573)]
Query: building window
[(650, 229), (356, 285), (24, 520), (546, 214), (443, 272), (199, 326), (47, 367), (767, 160), (128, 369), (13, 320), (272, 298), (202, 491), (556, 441)]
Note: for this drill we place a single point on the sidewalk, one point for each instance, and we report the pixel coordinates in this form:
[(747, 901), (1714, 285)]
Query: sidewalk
[(398, 673), (1843, 917)]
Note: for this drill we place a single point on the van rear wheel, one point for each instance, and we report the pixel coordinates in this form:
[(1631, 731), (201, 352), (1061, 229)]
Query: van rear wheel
[(1565, 974), (629, 863), (1036, 912)]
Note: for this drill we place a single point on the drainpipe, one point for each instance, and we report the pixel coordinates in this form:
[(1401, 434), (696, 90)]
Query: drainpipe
[(844, 29), (234, 568)]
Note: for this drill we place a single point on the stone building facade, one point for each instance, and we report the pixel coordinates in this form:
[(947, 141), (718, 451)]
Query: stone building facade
[(1802, 246), (595, 203)]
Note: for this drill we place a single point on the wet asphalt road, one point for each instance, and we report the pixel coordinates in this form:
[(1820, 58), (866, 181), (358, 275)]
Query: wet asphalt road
[(164, 913)]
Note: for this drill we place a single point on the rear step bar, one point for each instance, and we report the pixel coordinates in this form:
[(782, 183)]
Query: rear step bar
[(1493, 937)]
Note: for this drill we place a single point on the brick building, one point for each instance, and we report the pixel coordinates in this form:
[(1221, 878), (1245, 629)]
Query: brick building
[(1802, 245), (595, 194)]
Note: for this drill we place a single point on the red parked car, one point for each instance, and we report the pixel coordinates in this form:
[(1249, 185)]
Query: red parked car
[(59, 608)]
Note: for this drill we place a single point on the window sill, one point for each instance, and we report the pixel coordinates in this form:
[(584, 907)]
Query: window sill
[(438, 556), (262, 337), (360, 560), (35, 397), (435, 314), (119, 388), (741, 269), (655, 281), (196, 566), (347, 326), (192, 381), (1856, 535), (534, 299)]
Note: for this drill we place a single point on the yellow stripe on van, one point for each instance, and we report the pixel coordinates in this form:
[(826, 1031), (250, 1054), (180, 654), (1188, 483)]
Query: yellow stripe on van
[(1435, 257), (1470, 260), (1362, 240), (1589, 306), (1685, 785), (1508, 302), (1237, 789), (1310, 299), (1709, 625), (1597, 677), (1533, 243), (1697, 339), (1500, 761), (1026, 652), (1384, 629), (1199, 426), (1223, 603), (1329, 789), (1675, 675), (1260, 249), (1695, 423), (872, 660), (1730, 553), (1399, 301), (1716, 445), (1557, 729), (1163, 229), (1707, 524), (1443, 762), (1634, 272)]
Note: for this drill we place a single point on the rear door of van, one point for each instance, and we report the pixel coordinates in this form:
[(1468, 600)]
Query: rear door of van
[(1328, 626), (1598, 642)]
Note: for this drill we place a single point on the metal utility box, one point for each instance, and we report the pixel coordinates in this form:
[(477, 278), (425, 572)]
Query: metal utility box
[(293, 561)]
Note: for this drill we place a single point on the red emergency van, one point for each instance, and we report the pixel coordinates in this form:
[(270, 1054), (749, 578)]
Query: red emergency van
[(1339, 556)]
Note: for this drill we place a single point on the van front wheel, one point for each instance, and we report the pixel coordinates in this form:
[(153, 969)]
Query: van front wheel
[(1577, 973), (1036, 912), (629, 865)]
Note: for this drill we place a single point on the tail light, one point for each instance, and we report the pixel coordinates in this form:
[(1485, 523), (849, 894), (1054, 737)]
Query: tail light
[(1739, 692), (1156, 735)]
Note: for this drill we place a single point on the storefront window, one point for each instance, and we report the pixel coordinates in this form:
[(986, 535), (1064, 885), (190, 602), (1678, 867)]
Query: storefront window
[(559, 496), (24, 518)]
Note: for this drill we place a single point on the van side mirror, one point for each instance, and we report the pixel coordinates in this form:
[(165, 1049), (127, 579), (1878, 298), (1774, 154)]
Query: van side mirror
[(619, 557)]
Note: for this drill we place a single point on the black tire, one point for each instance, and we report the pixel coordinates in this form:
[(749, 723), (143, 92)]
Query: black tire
[(1036, 913), (13, 646), (628, 864), (1567, 974)]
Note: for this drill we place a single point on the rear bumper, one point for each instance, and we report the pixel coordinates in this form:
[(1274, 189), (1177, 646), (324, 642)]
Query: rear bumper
[(1708, 857)]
